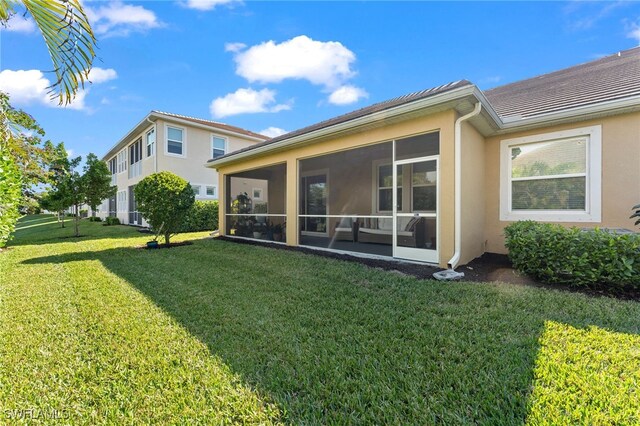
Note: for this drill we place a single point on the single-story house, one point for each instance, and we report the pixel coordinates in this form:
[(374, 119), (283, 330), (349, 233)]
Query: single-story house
[(435, 176)]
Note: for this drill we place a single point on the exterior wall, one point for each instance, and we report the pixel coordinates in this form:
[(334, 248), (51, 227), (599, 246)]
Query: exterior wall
[(473, 194), (198, 149), (442, 122), (620, 175)]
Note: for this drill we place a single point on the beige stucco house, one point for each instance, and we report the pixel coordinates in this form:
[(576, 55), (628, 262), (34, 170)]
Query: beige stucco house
[(435, 176), (163, 141)]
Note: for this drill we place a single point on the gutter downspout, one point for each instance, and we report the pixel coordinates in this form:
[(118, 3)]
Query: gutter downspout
[(457, 132), (155, 147)]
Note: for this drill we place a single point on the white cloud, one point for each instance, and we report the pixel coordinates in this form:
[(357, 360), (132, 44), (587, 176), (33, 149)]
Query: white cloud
[(634, 32), (208, 4), (99, 75), (273, 132), (244, 101), (234, 47), (321, 63), (19, 24), (31, 87), (120, 19), (345, 95)]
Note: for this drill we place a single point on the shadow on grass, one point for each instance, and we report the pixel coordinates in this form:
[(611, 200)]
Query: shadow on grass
[(336, 342)]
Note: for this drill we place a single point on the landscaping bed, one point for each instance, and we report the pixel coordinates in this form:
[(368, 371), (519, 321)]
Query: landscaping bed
[(490, 267)]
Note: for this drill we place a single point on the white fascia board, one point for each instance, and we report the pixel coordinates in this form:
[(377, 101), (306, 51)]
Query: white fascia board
[(400, 110), (115, 148)]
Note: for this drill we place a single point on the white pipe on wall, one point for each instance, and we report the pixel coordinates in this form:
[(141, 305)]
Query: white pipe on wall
[(457, 135)]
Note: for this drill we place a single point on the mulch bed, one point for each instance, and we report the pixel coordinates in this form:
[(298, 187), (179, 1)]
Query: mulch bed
[(490, 267), (171, 245)]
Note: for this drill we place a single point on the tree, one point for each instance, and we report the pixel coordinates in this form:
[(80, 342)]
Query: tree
[(60, 198), (68, 38), (97, 182), (163, 200)]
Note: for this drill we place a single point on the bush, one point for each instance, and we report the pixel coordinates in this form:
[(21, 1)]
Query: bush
[(95, 219), (84, 213), (202, 216), (163, 200), (10, 196), (111, 220), (555, 254)]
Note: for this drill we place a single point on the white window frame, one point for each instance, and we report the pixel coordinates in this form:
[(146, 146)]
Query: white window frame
[(226, 144), (593, 193), (377, 164), (166, 141), (215, 191), (253, 193), (199, 193), (122, 201), (153, 144), (121, 160)]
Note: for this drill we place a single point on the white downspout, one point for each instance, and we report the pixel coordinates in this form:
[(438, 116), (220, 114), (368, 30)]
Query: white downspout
[(457, 136)]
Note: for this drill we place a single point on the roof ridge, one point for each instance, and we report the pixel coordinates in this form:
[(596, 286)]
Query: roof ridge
[(217, 124), (192, 118), (538, 76)]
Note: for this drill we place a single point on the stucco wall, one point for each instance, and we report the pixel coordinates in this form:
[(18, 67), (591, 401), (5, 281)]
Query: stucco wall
[(620, 175), (473, 193)]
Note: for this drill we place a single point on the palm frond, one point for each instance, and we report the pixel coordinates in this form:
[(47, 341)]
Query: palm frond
[(69, 40)]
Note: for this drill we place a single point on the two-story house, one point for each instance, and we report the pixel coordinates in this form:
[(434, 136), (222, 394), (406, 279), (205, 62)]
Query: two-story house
[(163, 141)]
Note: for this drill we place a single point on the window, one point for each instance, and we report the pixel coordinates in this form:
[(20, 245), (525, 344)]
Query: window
[(424, 178), (257, 193), (385, 188), (219, 146), (135, 158), (211, 191), (122, 201), (113, 166), (151, 142), (122, 161), (552, 177), (175, 141), (196, 190)]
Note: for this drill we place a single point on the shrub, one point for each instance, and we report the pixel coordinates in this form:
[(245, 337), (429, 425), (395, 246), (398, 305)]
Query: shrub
[(111, 220), (95, 219), (10, 196), (555, 254), (202, 216), (163, 200)]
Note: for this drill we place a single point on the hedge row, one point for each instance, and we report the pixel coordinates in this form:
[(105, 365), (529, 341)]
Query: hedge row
[(202, 216), (554, 254)]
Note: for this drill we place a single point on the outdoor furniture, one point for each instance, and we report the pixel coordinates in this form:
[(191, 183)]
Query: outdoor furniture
[(346, 230), (380, 231)]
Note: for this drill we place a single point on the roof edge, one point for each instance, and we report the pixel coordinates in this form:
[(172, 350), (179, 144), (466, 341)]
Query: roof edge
[(396, 111)]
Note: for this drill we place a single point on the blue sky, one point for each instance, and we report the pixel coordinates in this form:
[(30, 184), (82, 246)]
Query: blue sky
[(285, 65)]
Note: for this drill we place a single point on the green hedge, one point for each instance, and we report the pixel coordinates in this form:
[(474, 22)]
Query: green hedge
[(111, 220), (555, 254), (201, 216)]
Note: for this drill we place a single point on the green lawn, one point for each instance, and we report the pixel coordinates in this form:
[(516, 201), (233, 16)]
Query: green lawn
[(97, 331)]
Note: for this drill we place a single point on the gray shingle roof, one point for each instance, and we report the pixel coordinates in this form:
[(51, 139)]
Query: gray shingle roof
[(610, 78)]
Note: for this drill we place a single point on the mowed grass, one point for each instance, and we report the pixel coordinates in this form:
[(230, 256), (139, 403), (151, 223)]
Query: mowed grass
[(219, 333)]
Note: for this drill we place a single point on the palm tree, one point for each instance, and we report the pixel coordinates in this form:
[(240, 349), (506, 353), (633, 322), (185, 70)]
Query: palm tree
[(69, 39)]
